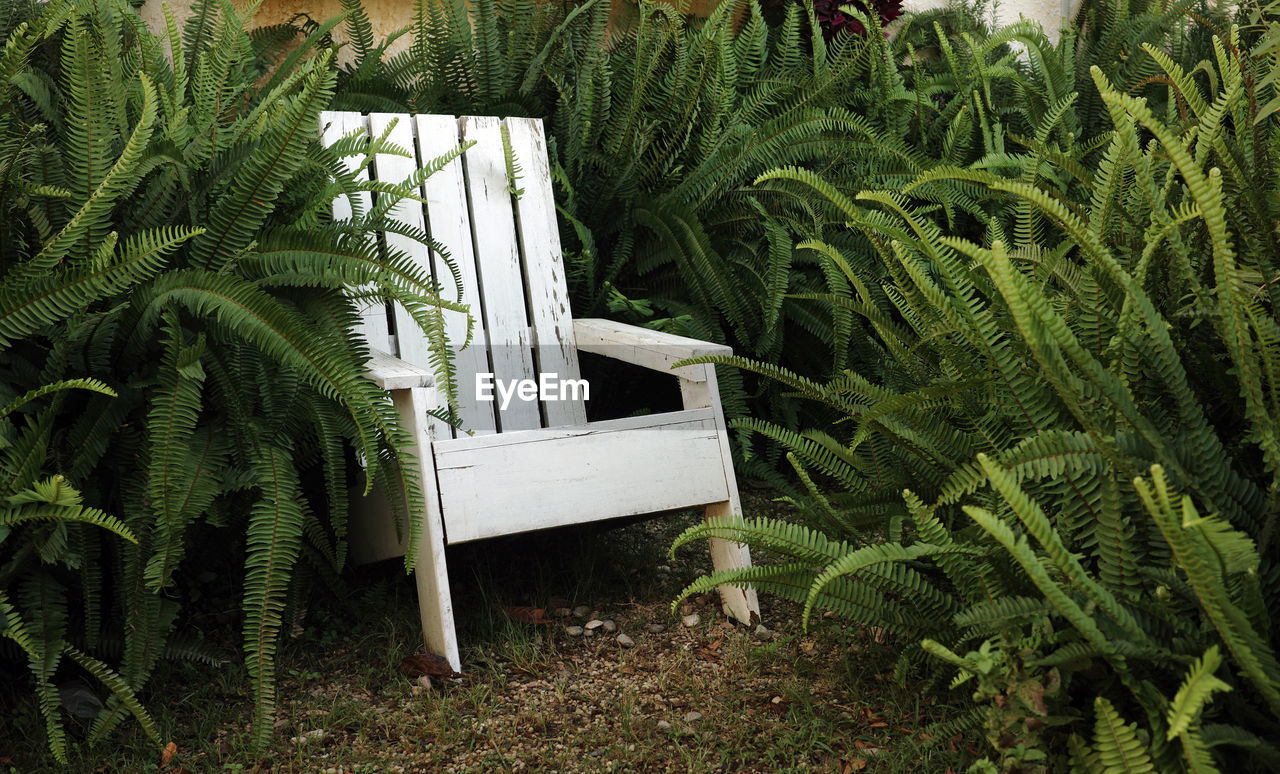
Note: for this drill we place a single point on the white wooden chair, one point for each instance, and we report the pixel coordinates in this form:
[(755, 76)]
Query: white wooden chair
[(533, 463)]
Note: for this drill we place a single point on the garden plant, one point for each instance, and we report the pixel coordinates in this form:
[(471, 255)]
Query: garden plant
[(1005, 314)]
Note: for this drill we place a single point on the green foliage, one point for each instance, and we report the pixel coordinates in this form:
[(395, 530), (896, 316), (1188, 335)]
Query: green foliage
[(657, 128), (178, 318), (1065, 395)]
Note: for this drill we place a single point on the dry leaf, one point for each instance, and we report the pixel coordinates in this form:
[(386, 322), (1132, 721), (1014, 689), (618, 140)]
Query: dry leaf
[(170, 750), (529, 615), (879, 724), (857, 764), (427, 664)]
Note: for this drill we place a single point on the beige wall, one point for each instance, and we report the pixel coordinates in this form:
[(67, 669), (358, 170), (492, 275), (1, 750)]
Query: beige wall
[(390, 15), (387, 16)]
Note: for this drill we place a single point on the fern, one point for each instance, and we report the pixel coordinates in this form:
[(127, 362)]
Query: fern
[(178, 316)]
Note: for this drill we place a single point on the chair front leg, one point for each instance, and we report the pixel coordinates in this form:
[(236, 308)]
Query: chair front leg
[(739, 603), (435, 605)]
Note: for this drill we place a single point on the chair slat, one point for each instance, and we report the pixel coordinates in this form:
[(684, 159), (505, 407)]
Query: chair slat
[(501, 279), (450, 225), (411, 342), (373, 315), (544, 276)]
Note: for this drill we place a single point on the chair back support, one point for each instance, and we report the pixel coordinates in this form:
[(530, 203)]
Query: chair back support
[(505, 248)]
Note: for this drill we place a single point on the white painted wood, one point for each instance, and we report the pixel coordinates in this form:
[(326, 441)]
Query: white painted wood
[(741, 604), (435, 604), (642, 346), (548, 292), (392, 373), (551, 477), (449, 223), (501, 280), (526, 477), (334, 126), (411, 342)]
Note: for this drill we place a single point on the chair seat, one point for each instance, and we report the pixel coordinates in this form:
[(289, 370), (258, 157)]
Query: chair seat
[(533, 479)]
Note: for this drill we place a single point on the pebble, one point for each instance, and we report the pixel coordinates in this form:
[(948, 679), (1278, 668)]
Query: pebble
[(594, 623), (626, 641), (573, 631), (663, 725), (610, 625), (563, 612), (656, 628), (691, 620), (589, 633), (581, 611), (424, 681), (763, 632), (692, 717), (314, 735), (663, 568)]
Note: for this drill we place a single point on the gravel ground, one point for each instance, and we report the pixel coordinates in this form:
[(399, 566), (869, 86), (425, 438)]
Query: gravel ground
[(575, 662)]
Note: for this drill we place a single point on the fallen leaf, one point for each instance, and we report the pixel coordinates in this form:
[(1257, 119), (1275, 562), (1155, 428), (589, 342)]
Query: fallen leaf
[(523, 614), (857, 764), (170, 750), (427, 664), (879, 724)]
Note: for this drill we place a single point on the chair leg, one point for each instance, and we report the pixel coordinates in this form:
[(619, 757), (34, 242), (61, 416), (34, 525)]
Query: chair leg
[(739, 603), (435, 607)]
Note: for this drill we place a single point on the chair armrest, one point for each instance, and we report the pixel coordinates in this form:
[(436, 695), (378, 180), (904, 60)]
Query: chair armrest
[(391, 373), (642, 346)]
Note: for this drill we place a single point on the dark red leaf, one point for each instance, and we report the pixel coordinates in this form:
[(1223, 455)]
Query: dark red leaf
[(427, 664)]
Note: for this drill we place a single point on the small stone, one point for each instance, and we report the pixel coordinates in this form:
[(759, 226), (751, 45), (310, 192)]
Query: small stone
[(594, 623), (663, 725), (424, 682), (663, 568), (691, 620), (563, 612), (314, 735), (331, 770), (692, 717), (626, 641), (589, 633), (763, 632), (581, 611), (610, 625), (573, 631), (656, 628), (686, 608)]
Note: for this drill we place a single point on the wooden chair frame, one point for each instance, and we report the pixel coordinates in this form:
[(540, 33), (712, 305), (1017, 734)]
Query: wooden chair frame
[(532, 464)]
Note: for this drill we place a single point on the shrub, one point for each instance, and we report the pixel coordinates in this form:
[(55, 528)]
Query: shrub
[(168, 249), (1068, 432), (656, 133)]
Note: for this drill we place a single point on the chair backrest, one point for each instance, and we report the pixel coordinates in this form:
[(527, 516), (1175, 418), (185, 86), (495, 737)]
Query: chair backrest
[(506, 249)]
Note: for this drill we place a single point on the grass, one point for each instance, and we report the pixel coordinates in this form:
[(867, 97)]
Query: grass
[(536, 698)]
